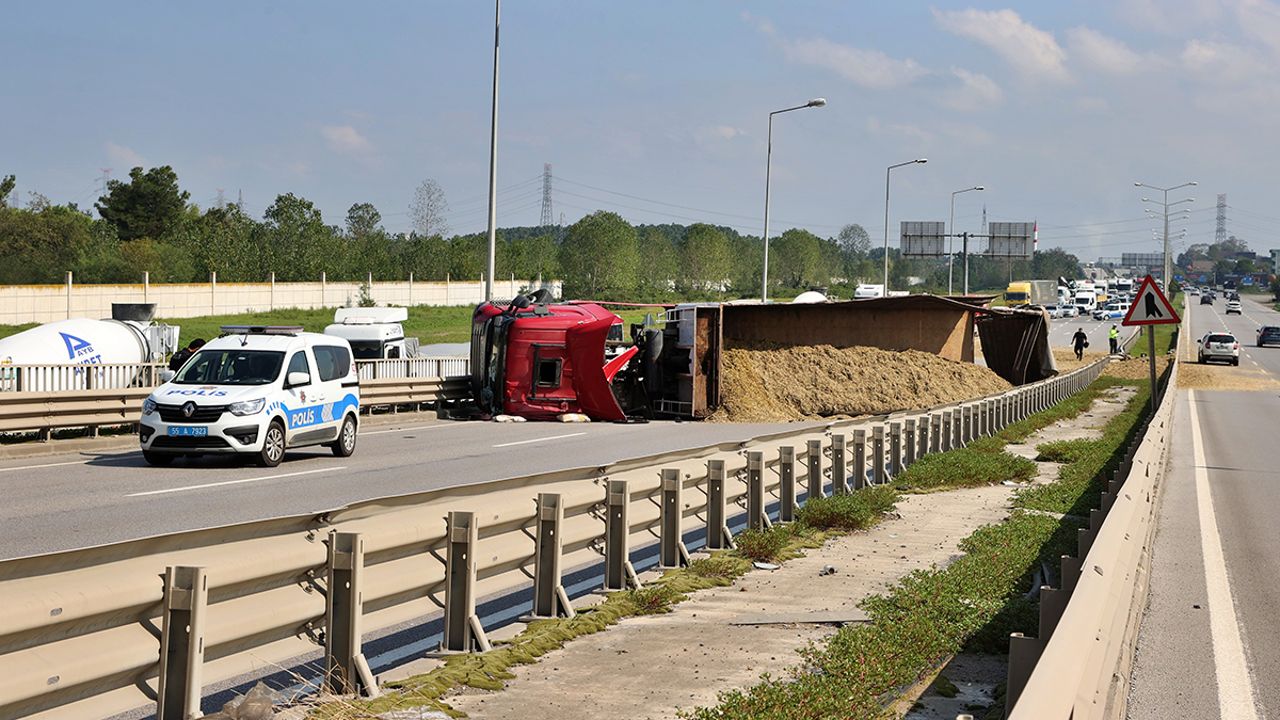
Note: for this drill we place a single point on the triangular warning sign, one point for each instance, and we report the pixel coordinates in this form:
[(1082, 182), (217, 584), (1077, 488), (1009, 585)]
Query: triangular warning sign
[(1150, 306)]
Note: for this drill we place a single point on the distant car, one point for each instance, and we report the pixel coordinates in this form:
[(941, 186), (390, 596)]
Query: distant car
[(1206, 299), (1118, 311), (1268, 334), (1193, 291), (1219, 346), (1233, 306), (1070, 311)]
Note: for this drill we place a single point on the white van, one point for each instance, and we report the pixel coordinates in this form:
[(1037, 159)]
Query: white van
[(256, 390)]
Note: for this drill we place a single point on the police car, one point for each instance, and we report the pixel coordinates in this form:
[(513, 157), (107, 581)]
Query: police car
[(256, 390)]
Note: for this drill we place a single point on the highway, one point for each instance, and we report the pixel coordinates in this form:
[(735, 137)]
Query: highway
[(62, 502), (1210, 644)]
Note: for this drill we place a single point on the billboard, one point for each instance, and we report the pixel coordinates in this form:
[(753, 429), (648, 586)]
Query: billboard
[(924, 239), (1011, 239)]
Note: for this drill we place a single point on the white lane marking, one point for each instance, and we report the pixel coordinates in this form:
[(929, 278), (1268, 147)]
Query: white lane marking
[(536, 440), (236, 482), (46, 465), (415, 427), (1235, 687)]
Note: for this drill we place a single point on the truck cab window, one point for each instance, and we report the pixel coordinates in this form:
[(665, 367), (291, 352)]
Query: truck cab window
[(549, 372)]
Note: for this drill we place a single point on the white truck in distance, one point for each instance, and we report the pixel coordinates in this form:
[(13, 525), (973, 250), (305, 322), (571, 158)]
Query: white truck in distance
[(374, 332)]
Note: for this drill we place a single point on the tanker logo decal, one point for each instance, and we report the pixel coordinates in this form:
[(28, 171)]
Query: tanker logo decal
[(76, 346)]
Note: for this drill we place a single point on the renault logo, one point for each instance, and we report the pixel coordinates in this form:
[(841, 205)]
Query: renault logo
[(188, 409)]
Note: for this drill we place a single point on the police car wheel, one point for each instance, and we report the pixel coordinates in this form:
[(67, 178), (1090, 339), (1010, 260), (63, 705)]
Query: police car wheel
[(157, 459), (345, 445), (272, 445)]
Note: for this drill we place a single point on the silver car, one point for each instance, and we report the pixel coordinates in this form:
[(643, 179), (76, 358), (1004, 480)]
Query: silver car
[(1219, 346)]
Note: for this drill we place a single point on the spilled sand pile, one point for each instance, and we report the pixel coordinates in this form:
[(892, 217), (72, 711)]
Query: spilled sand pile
[(778, 384)]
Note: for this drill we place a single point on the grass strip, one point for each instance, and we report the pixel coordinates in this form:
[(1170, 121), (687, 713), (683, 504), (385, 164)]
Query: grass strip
[(825, 518)]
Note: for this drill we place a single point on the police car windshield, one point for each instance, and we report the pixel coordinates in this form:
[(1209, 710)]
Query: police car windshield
[(231, 367)]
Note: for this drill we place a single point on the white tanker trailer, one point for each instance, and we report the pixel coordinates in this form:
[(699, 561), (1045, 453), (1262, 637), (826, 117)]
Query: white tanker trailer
[(80, 354)]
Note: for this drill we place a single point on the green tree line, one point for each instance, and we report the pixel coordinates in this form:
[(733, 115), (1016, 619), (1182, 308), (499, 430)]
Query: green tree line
[(146, 223)]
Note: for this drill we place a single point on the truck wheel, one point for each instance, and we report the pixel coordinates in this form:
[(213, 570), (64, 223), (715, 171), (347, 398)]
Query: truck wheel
[(157, 459), (345, 445), (272, 445)]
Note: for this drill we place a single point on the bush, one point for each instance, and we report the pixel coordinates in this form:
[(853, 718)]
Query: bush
[(653, 600), (964, 467), (721, 568), (855, 511), (763, 545)]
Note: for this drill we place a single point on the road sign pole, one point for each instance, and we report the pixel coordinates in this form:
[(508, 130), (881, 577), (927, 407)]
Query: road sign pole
[(1151, 352)]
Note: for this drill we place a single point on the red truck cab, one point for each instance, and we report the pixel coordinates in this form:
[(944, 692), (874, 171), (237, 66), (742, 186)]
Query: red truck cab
[(542, 360)]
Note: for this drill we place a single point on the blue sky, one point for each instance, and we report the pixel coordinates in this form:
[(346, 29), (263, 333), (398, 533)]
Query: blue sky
[(657, 109)]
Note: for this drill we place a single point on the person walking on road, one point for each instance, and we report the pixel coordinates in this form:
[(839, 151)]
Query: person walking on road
[(1080, 341), (182, 356), (1114, 337)]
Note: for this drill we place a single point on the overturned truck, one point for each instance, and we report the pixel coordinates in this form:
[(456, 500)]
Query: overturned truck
[(541, 360)]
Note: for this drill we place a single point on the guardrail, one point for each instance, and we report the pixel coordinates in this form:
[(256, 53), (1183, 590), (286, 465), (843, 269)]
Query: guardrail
[(1076, 667), (92, 632)]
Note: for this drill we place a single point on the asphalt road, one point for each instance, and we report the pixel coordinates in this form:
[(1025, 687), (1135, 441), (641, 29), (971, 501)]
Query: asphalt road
[(1210, 644), (1061, 331), (68, 501)]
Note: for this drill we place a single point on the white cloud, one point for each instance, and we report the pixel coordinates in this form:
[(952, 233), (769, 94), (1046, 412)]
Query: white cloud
[(1223, 61), (345, 140), (866, 68), (1260, 20), (761, 24), (125, 157), (727, 132), (1028, 49), (1168, 16), (1103, 53), (975, 92)]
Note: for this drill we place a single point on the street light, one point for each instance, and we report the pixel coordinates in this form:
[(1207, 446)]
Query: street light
[(920, 161), (768, 167), (493, 161), (951, 232), (1168, 260)]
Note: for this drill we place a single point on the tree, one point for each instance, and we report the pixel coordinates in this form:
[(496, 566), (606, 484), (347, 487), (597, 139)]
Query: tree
[(148, 205), (796, 259), (363, 219), (6, 186), (299, 246), (1055, 263), (706, 259), (656, 275), (598, 258), (428, 209), (854, 242), (748, 256)]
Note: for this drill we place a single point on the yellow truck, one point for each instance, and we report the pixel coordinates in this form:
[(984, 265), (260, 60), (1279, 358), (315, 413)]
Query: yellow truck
[(1031, 292)]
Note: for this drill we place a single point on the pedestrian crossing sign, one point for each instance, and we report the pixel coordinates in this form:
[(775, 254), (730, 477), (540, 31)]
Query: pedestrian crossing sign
[(1150, 306)]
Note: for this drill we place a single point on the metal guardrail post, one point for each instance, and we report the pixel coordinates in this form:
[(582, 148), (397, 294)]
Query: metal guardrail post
[(859, 459), (909, 441), (462, 629), (813, 463), (549, 596), (1053, 603), (786, 483), (839, 465), (1024, 653), (186, 595), (756, 517), (671, 550), (877, 455), (935, 432), (966, 423), (957, 439), (619, 573), (988, 417), (895, 449), (345, 668), (718, 536), (944, 443)]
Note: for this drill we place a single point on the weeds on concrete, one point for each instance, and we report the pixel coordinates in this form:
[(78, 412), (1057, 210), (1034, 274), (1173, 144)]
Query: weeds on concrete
[(490, 671), (964, 467), (846, 513)]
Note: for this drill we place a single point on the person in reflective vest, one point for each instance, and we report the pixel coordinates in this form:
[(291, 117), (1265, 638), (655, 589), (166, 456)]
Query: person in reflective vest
[(1114, 337)]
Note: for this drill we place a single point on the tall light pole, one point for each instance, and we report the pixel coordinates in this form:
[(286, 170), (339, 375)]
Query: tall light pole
[(920, 161), (951, 231), (768, 166), (1168, 260), (493, 160)]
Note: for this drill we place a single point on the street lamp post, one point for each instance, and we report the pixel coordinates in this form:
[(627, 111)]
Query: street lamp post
[(493, 161), (1168, 261), (768, 167), (951, 239), (920, 161)]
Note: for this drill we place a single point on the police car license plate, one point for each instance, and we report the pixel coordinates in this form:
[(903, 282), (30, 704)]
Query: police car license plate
[(187, 431)]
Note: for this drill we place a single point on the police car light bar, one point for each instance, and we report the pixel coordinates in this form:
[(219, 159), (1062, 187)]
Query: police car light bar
[(262, 329)]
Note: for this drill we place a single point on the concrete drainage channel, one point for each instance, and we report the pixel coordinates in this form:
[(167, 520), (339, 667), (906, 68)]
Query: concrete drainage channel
[(83, 628)]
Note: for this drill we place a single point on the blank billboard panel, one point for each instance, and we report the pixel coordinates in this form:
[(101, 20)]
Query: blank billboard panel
[(923, 239)]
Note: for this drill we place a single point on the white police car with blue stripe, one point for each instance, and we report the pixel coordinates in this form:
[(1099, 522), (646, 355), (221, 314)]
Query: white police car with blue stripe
[(256, 390)]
